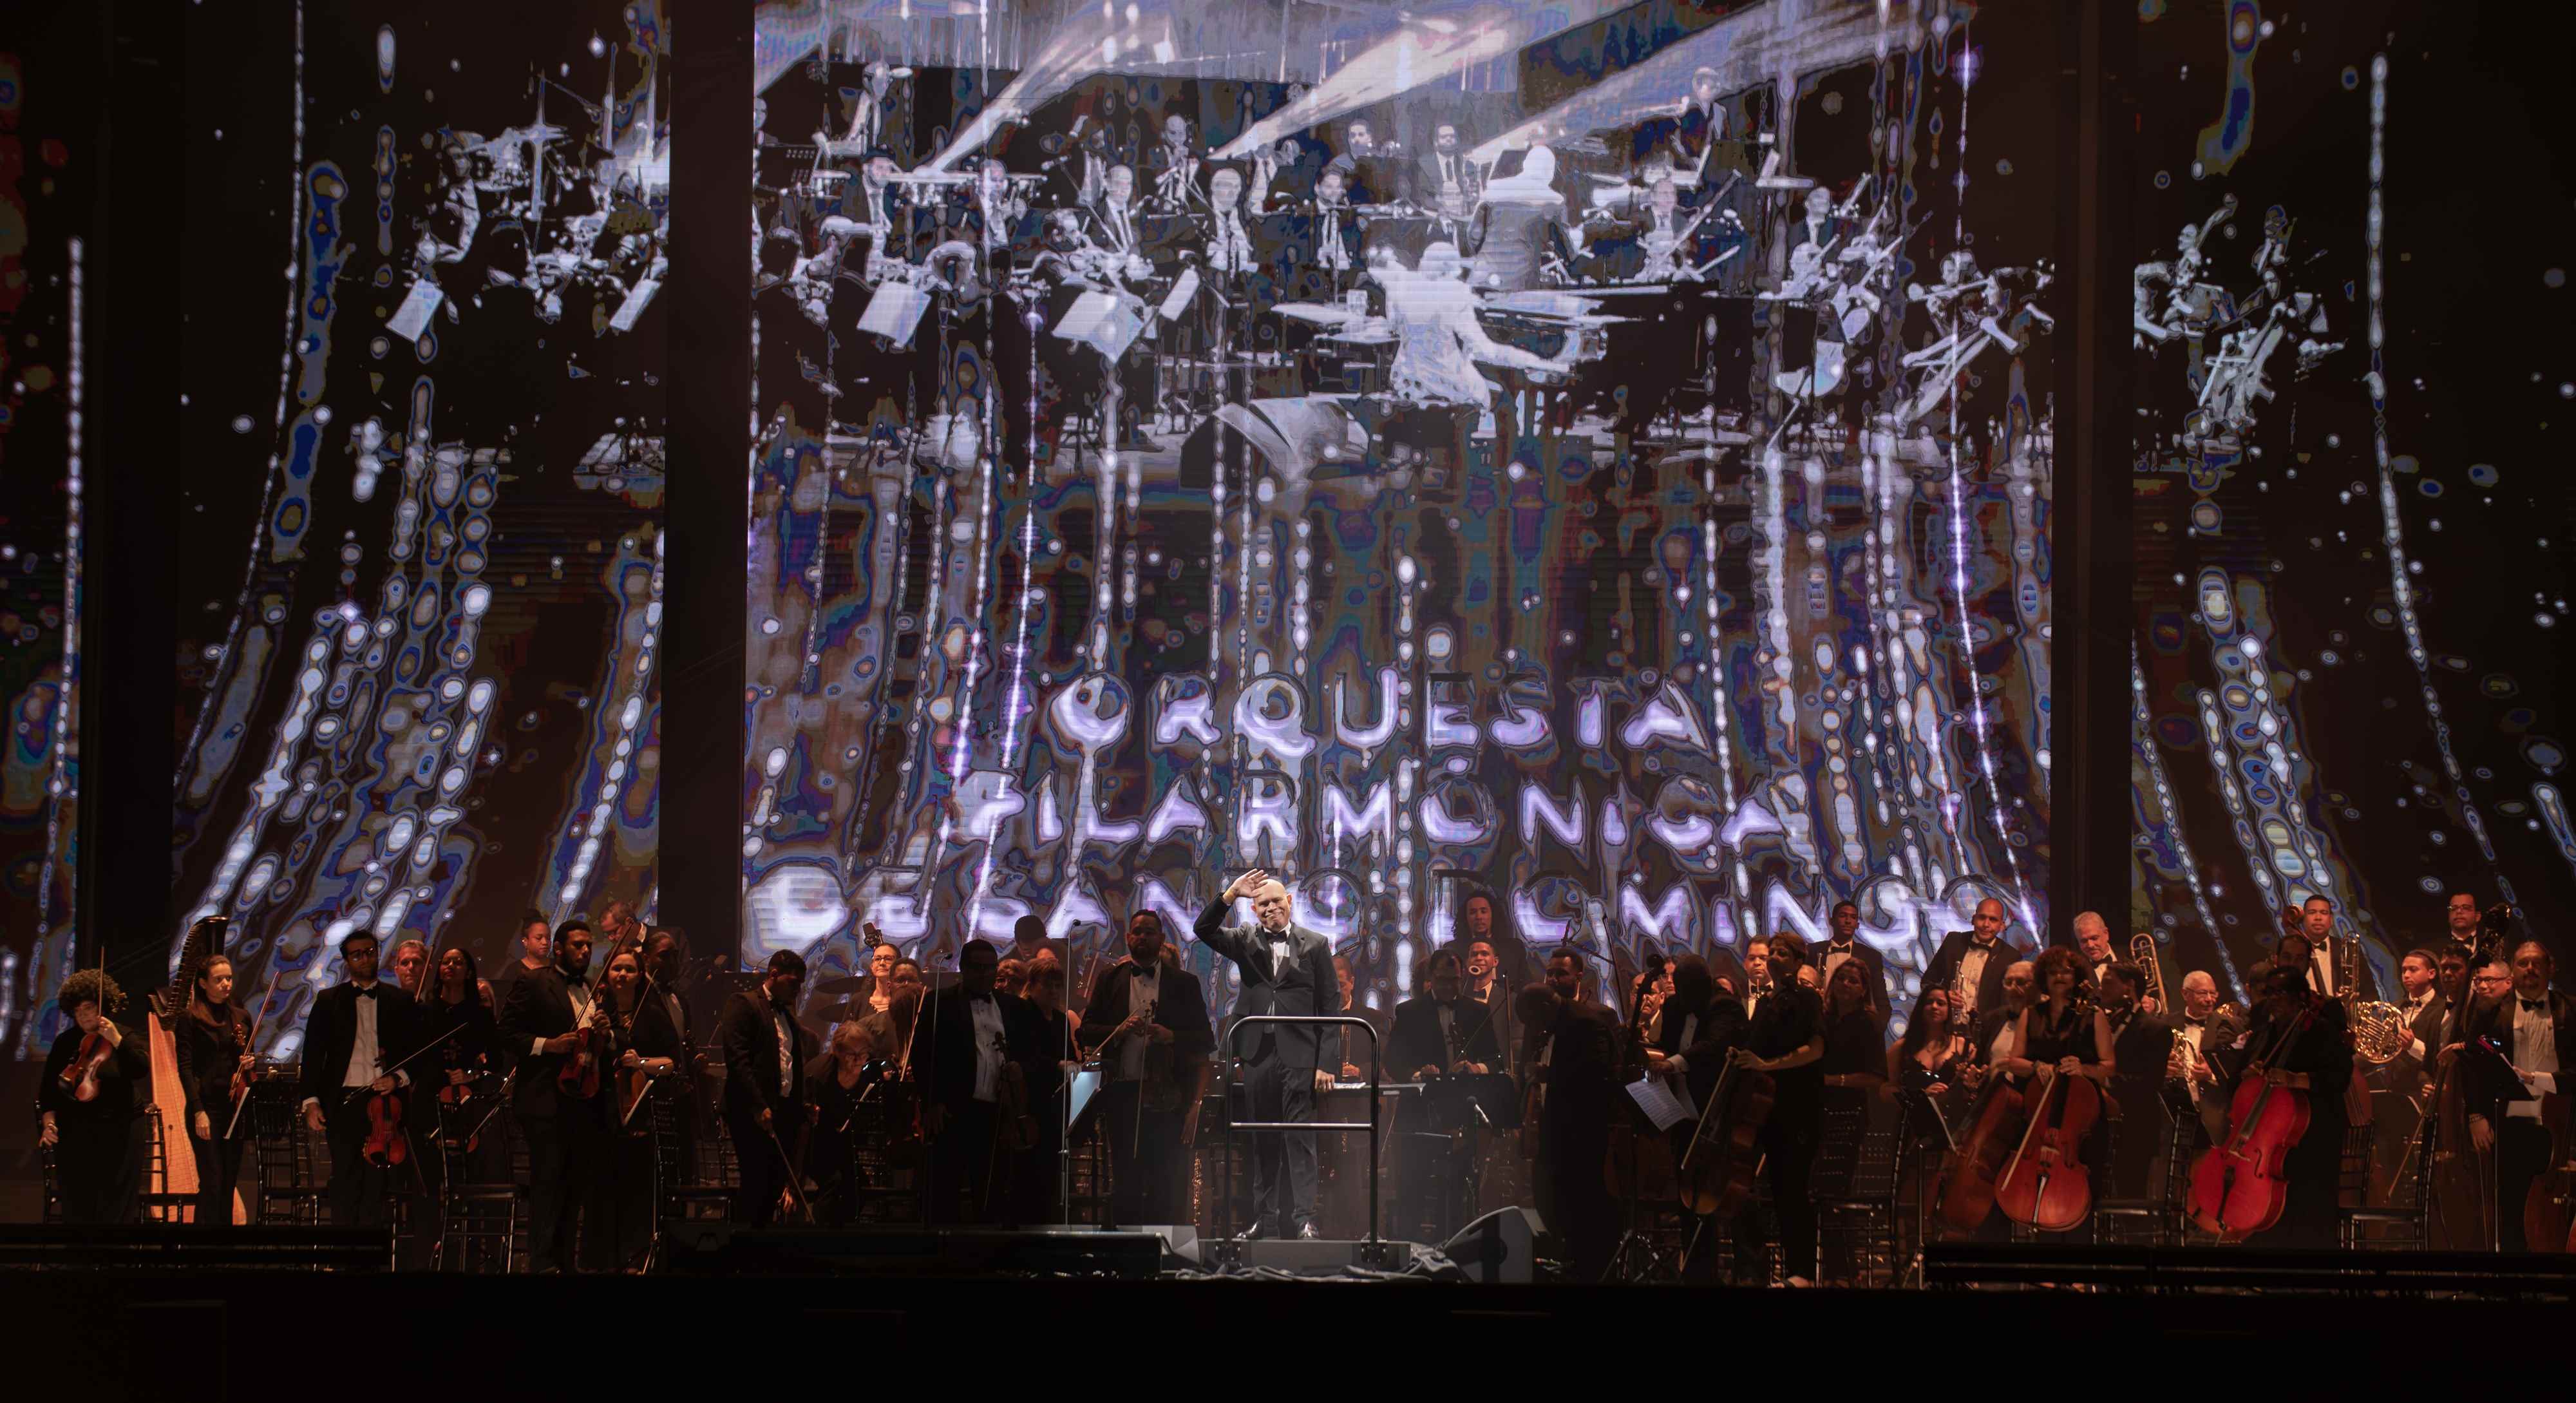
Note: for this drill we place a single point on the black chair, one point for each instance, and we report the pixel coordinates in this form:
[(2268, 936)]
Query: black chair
[(2153, 1219), (2402, 1222), (482, 1219), (1855, 1194)]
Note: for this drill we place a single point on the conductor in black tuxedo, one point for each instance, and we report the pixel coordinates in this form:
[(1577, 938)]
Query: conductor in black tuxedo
[(1286, 969), (764, 1085), (354, 1042), (567, 1133)]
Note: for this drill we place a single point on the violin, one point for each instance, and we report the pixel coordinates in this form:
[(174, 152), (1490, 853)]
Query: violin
[(2236, 1184), (82, 1074), (1716, 1172), (1974, 1171), (2046, 1185), (386, 1146)]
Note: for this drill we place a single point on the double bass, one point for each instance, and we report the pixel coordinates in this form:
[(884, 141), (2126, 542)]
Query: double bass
[(2236, 1185)]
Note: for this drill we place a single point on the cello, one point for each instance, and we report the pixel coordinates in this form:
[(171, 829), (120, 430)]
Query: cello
[(1716, 1172), (2046, 1185), (1975, 1168), (2236, 1184)]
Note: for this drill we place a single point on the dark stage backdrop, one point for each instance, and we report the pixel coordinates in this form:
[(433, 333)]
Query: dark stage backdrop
[(1676, 699), (2351, 586), (419, 570)]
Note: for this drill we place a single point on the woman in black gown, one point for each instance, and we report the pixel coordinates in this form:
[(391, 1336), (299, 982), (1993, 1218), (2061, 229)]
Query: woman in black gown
[(648, 1053), (95, 1087), (2064, 1034), (1855, 1060), (214, 1067)]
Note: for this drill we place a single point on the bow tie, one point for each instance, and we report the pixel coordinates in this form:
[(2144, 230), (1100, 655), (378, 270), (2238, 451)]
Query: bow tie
[(2534, 1005), (570, 978), (2195, 1022), (366, 991)]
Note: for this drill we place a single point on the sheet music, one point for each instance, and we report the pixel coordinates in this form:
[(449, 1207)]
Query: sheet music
[(634, 305), (1664, 1104), (412, 318), (1183, 289)]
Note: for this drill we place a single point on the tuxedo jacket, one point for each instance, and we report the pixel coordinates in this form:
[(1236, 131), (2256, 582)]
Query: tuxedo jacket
[(1582, 1075), (946, 1029), (1302, 986), (2140, 1046), (540, 1006), (1426, 179), (1990, 983), (331, 1034), (2495, 1020), (748, 1033), (1415, 1042), (1179, 1006)]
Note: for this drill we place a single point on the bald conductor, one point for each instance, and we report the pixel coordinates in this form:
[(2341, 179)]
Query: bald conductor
[(1286, 969)]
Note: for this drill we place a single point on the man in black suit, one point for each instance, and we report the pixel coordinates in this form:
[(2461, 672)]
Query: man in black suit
[(1846, 944), (1448, 183), (1148, 1023), (2535, 1027), (2203, 1057), (1785, 1038), (1438, 1033), (974, 1036), (1971, 963), (2141, 1050), (1287, 970), (567, 1133), (764, 1085), (1696, 1029), (354, 1040), (1487, 986), (1573, 1056)]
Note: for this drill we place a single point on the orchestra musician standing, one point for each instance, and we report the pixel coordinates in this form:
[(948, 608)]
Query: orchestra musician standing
[(1438, 1034), (1844, 944), (96, 1086), (1695, 1027), (977, 1044), (2142, 1039), (648, 1055), (1971, 963), (1286, 970), (1785, 1038), (2205, 1039), (357, 1034), (764, 1086), (2319, 1062), (2535, 1029), (1148, 1023), (215, 1060), (544, 1020), (1571, 1065)]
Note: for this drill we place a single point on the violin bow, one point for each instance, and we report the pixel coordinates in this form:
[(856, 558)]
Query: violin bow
[(267, 992)]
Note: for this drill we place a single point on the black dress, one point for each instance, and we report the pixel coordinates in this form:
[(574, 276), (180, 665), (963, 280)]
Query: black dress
[(211, 1043), (1852, 1048), (1786, 1021), (465, 1039), (99, 1157), (2069, 1033)]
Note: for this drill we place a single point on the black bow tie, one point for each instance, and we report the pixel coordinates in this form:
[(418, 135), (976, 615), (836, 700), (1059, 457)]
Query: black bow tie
[(571, 978), (2195, 1022), (365, 991), (2533, 1005)]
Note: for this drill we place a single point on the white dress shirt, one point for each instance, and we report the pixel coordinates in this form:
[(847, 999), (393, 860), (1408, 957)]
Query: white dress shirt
[(1834, 955), (987, 1013), (786, 1050), (1144, 995), (365, 1052), (2535, 1054), (1971, 975), (580, 996)]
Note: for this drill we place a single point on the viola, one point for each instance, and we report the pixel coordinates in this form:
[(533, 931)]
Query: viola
[(386, 1146), (1975, 1168), (82, 1073), (2236, 1184), (1716, 1173), (580, 1075), (2046, 1185)]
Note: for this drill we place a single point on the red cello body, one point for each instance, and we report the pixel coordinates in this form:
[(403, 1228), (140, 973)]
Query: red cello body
[(82, 1075), (2236, 1184), (1966, 1193), (2046, 1184)]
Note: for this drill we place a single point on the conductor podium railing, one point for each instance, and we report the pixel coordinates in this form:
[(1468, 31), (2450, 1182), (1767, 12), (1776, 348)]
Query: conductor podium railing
[(1235, 1127)]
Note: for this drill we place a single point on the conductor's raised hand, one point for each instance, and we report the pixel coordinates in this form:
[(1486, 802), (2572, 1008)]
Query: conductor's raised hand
[(1245, 885)]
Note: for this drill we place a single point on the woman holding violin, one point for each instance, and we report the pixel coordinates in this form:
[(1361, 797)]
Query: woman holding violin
[(646, 1051), (1786, 1039), (457, 1023), (214, 1066), (92, 1099)]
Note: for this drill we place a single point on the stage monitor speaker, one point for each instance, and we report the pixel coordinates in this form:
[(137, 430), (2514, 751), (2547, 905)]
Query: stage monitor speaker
[(1497, 1248)]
